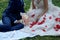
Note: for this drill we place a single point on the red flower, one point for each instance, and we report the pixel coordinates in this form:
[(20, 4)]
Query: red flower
[(57, 19)]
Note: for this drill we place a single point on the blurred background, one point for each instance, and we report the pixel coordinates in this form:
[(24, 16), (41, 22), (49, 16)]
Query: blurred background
[(4, 4)]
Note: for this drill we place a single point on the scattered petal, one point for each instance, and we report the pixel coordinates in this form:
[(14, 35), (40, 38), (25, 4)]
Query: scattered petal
[(32, 24), (33, 15), (44, 18), (46, 26), (33, 30), (44, 15), (58, 26), (57, 19), (39, 23), (43, 30), (50, 17)]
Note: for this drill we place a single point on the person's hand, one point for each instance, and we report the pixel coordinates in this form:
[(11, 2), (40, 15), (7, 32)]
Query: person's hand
[(25, 18), (18, 21), (37, 19), (39, 16)]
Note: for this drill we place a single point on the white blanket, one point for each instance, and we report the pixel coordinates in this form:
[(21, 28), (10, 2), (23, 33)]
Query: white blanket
[(19, 34)]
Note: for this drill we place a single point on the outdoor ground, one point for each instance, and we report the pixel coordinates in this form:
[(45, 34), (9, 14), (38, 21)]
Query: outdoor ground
[(3, 5)]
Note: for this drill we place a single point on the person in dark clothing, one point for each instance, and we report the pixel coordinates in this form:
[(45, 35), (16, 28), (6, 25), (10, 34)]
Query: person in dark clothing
[(12, 13)]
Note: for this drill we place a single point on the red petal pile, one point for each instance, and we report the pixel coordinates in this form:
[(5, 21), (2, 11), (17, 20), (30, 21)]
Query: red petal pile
[(41, 22), (32, 24)]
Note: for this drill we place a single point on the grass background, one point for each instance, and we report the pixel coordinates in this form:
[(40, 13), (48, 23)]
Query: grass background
[(4, 4)]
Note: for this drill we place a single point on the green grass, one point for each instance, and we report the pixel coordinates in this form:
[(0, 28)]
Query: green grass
[(56, 2), (27, 4), (3, 5), (42, 38)]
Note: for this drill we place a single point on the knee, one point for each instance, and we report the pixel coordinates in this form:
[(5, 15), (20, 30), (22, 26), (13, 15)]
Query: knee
[(4, 28), (21, 25), (17, 27)]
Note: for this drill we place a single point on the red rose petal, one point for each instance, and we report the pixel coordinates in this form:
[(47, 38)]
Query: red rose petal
[(39, 23), (57, 19), (33, 15), (57, 30), (33, 30), (44, 18), (50, 17), (46, 26), (32, 24), (58, 26), (44, 15), (54, 27), (43, 30)]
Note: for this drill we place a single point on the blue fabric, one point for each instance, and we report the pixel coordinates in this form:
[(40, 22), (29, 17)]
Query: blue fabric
[(14, 8), (6, 28), (9, 26), (12, 13)]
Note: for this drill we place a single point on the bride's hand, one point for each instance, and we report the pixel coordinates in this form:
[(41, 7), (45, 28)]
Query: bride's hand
[(39, 16), (26, 20), (37, 19), (17, 21)]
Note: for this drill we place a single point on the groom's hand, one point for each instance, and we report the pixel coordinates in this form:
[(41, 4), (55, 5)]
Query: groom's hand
[(18, 21)]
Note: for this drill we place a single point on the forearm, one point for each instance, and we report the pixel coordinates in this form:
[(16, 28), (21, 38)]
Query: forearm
[(45, 7), (33, 6), (44, 11)]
